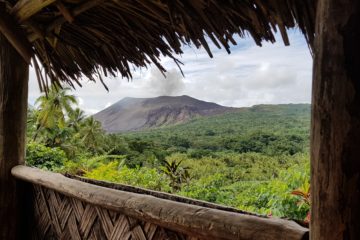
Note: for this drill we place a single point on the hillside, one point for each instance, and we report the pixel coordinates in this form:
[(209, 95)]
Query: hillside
[(261, 128), (131, 114), (247, 158)]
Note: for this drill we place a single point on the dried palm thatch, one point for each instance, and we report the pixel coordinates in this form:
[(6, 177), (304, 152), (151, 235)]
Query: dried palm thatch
[(70, 39)]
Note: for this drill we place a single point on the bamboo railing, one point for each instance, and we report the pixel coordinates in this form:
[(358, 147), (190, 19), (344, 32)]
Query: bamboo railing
[(66, 208)]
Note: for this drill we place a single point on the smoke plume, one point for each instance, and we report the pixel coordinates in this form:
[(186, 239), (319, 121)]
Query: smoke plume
[(171, 85)]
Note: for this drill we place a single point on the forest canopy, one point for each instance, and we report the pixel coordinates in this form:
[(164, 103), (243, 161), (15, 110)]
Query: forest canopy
[(252, 159)]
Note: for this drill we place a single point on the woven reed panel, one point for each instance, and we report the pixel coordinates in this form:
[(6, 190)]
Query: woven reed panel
[(57, 216)]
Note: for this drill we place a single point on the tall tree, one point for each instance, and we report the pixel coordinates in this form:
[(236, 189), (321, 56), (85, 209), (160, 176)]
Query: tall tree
[(92, 133), (76, 117), (53, 108)]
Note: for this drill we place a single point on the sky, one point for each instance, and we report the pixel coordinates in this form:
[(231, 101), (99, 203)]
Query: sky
[(250, 75)]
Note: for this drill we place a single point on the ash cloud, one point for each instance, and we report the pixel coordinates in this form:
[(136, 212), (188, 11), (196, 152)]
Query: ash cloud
[(170, 85)]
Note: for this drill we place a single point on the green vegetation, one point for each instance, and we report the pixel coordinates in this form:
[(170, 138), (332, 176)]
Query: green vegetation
[(252, 159)]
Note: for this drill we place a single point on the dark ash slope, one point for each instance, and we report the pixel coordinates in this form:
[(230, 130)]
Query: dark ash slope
[(131, 114)]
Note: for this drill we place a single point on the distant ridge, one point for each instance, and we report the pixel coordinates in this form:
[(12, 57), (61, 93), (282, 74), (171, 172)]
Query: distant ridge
[(132, 114)]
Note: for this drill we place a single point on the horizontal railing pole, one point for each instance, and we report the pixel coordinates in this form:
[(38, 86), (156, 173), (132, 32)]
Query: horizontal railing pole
[(185, 218)]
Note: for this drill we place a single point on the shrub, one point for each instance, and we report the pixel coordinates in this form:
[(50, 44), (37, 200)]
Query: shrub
[(40, 156), (142, 177)]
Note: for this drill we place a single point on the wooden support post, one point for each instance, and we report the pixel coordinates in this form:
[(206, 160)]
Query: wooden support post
[(13, 33), (335, 146), (14, 73)]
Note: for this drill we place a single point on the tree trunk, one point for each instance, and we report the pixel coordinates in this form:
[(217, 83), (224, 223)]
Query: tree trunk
[(335, 141), (14, 73)]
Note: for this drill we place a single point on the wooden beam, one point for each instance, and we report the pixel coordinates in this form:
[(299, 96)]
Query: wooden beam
[(14, 34), (24, 9), (193, 220), (13, 108), (335, 138), (61, 20), (163, 195), (64, 11)]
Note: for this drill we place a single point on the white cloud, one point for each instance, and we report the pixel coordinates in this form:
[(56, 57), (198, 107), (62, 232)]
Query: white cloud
[(91, 111), (250, 75), (80, 101), (108, 104)]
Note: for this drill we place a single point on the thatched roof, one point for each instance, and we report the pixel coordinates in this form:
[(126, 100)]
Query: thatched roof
[(76, 38)]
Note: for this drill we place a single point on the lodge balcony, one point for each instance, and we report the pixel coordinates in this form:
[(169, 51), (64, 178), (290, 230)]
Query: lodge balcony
[(66, 40), (69, 207)]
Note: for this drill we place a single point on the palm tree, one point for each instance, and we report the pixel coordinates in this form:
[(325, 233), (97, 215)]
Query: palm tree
[(76, 117), (32, 115), (53, 108), (303, 192), (92, 134), (176, 173)]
